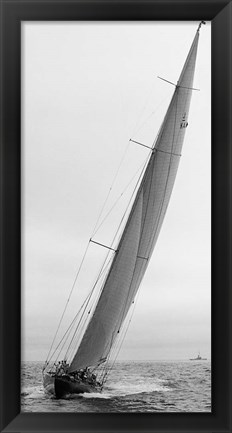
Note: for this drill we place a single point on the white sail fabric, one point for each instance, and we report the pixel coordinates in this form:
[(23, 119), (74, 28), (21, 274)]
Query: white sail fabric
[(142, 229)]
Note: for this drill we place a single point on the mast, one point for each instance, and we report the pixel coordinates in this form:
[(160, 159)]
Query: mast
[(142, 228)]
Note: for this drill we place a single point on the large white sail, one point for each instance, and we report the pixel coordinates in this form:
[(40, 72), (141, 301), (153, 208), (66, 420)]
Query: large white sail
[(142, 228)]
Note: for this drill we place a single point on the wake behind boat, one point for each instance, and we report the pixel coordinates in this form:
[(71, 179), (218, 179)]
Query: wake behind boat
[(98, 327)]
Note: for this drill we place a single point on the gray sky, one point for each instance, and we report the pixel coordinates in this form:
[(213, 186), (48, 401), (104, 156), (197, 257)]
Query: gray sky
[(87, 88)]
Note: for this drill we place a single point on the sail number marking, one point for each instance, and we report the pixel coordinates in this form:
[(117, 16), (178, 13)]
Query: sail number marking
[(184, 122)]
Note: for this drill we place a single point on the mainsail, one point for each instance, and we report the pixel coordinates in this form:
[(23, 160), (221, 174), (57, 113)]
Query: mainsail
[(142, 227)]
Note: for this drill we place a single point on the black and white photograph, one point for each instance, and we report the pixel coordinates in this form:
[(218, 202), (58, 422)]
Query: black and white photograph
[(116, 216)]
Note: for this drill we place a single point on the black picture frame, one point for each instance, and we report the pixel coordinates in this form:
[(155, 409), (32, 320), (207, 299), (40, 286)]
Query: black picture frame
[(12, 14)]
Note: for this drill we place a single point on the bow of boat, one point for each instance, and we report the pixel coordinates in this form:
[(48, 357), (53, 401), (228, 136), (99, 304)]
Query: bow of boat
[(62, 386)]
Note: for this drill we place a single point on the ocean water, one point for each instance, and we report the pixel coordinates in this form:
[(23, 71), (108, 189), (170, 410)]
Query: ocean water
[(133, 386)]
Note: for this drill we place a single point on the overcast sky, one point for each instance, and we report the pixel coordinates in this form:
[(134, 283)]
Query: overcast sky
[(87, 88)]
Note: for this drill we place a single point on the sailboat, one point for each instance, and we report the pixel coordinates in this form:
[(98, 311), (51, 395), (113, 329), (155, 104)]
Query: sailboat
[(100, 329)]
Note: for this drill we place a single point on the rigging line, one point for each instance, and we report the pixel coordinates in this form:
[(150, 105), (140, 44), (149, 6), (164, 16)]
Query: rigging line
[(69, 329), (136, 127), (77, 336), (182, 48), (91, 293), (66, 305), (134, 190), (125, 189), (81, 326), (143, 167), (67, 332), (76, 328), (95, 302), (108, 356), (73, 321), (106, 367), (109, 192), (87, 300), (62, 347), (151, 114), (101, 273), (71, 351), (114, 355), (161, 128), (125, 330), (139, 127)]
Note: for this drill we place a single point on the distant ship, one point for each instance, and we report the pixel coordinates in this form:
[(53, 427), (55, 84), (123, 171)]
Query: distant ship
[(198, 358)]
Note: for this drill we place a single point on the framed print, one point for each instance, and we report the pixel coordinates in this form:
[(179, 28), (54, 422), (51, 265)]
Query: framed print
[(114, 333), (108, 321)]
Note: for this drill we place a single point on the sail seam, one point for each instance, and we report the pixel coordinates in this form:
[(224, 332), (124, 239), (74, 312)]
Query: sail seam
[(169, 153)]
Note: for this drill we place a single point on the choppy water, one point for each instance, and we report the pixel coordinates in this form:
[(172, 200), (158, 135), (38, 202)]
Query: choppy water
[(133, 386)]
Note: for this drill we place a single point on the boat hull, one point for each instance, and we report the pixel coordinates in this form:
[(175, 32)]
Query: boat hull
[(62, 386)]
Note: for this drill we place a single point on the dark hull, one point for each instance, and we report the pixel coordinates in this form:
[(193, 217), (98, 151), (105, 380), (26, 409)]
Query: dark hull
[(62, 386)]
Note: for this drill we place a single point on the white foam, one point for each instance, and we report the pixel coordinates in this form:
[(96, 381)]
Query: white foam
[(33, 391), (127, 388), (96, 395)]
